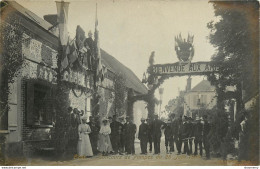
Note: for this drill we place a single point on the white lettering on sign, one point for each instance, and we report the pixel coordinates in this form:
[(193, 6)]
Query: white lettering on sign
[(36, 71), (184, 68), (74, 77)]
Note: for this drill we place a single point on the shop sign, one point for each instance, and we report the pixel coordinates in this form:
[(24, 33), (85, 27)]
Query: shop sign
[(74, 77)]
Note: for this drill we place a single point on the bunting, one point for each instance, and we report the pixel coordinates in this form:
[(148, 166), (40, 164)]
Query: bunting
[(99, 70), (62, 20)]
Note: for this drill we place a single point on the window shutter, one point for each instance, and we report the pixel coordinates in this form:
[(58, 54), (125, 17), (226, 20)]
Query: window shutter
[(30, 102)]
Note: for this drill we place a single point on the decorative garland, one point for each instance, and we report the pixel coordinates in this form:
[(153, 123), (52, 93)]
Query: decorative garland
[(75, 94)]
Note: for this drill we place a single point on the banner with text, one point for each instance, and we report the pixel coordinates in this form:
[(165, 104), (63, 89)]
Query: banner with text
[(196, 68)]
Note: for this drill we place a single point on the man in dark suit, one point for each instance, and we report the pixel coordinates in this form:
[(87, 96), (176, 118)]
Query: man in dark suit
[(150, 135), (143, 136), (122, 135), (179, 134), (191, 134), (130, 130), (115, 134), (175, 130), (73, 136), (89, 44), (94, 134), (206, 129), (168, 134), (185, 135), (156, 129), (198, 136)]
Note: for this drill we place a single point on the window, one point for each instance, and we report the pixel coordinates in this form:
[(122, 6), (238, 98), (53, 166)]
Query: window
[(40, 104), (3, 106)]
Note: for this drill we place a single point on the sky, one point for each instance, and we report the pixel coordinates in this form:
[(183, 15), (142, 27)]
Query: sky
[(131, 29)]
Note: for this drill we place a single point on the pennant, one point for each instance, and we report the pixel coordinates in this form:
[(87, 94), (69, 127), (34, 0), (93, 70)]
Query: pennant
[(99, 72), (80, 38), (64, 60), (73, 56), (62, 19)]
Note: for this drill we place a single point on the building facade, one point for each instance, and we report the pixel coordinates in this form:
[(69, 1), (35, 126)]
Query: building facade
[(34, 93), (202, 96)]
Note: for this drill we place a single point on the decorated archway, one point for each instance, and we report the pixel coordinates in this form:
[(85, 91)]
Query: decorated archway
[(156, 74)]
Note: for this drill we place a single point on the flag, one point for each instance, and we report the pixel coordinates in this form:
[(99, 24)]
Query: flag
[(62, 20), (73, 55), (80, 38), (99, 71), (64, 60)]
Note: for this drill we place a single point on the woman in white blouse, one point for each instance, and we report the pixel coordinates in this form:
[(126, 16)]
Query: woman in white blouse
[(84, 145), (104, 144)]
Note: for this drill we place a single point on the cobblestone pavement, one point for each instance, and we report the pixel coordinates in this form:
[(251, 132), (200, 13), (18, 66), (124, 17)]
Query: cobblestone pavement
[(134, 160)]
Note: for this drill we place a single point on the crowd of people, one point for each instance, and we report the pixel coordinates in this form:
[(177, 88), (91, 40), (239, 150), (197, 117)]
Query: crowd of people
[(116, 135)]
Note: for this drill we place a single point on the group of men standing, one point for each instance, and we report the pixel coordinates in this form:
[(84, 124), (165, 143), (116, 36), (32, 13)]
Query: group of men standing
[(181, 131)]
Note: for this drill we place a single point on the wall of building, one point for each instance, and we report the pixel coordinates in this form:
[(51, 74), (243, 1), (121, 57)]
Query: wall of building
[(207, 100)]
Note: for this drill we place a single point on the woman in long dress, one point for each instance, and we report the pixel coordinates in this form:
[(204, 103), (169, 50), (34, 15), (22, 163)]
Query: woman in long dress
[(84, 145), (104, 144)]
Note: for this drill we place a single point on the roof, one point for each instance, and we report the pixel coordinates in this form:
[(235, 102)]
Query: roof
[(109, 61), (32, 16), (204, 85), (115, 66)]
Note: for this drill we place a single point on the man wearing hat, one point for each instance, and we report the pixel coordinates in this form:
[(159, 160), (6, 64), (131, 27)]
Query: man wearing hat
[(168, 133), (156, 129), (122, 135), (115, 134), (150, 137), (185, 135), (143, 136), (198, 136), (94, 134), (178, 129), (206, 129), (130, 130), (191, 134), (73, 138)]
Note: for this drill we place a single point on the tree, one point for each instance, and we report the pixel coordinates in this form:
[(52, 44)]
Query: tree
[(235, 36)]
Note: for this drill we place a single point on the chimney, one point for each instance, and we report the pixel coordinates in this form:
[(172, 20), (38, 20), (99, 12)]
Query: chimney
[(51, 18), (188, 87)]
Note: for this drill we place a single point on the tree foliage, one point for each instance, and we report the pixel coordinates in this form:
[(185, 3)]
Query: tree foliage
[(11, 60), (120, 94), (235, 36)]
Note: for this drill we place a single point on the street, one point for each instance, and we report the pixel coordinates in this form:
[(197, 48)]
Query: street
[(134, 160)]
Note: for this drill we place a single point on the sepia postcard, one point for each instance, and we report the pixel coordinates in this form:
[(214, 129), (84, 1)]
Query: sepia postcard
[(129, 83)]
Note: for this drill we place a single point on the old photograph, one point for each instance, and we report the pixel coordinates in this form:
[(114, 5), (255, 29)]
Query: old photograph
[(129, 83)]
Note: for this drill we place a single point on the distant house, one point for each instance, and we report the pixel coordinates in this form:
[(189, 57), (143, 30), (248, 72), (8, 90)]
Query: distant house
[(202, 96)]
